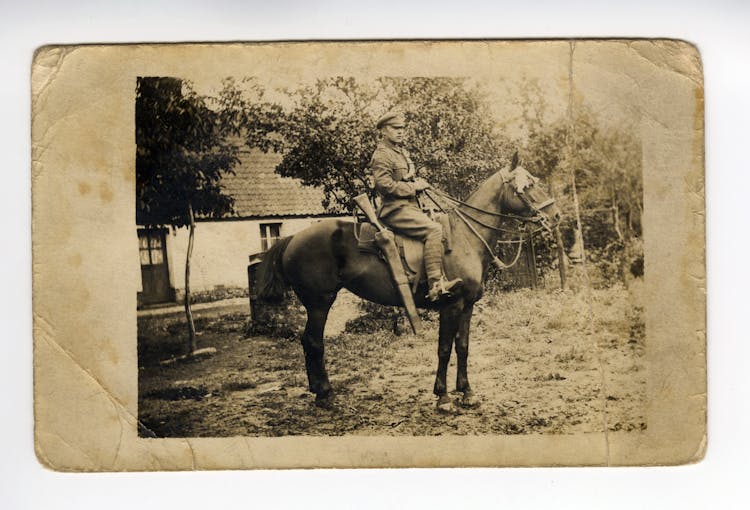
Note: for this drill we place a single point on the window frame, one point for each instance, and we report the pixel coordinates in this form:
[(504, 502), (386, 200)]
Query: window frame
[(155, 240), (270, 233)]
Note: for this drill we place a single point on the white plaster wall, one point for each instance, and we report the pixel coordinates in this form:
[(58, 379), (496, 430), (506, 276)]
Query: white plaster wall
[(220, 252)]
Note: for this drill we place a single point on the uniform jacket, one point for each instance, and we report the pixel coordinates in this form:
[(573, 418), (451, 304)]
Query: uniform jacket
[(389, 166)]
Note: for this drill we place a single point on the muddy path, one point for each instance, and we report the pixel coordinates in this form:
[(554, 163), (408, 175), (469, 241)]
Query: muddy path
[(540, 362)]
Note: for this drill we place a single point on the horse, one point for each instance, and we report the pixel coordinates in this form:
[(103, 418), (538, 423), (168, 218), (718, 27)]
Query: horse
[(324, 258)]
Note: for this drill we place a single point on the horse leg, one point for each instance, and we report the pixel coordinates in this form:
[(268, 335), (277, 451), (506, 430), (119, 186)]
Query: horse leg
[(313, 345), (448, 328), (462, 353)]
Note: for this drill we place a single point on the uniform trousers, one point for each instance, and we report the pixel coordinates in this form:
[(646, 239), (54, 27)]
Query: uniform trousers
[(409, 220)]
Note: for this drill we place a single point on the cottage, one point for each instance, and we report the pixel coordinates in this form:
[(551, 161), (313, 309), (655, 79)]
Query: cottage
[(267, 207)]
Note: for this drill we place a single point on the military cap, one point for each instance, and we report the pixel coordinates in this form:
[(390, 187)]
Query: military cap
[(392, 118)]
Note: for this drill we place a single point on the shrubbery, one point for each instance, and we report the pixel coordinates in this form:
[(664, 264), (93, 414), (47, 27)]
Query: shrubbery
[(377, 317)]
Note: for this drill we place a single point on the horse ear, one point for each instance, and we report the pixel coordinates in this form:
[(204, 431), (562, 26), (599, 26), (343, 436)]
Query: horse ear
[(514, 161)]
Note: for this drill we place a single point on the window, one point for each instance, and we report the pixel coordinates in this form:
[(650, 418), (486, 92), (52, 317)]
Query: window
[(269, 234), (151, 247)]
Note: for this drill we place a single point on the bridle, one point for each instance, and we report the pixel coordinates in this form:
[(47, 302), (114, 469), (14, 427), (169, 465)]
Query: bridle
[(538, 218)]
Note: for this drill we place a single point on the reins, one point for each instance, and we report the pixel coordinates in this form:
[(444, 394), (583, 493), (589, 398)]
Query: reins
[(495, 259), (490, 213), (465, 217)]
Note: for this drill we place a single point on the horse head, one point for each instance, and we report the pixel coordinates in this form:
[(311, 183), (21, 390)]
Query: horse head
[(521, 195)]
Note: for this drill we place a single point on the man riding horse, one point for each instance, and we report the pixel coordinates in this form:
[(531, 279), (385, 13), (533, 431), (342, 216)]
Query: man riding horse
[(397, 185), (324, 258)]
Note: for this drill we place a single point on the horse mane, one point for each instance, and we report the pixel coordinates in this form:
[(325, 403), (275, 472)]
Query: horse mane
[(512, 174), (489, 185)]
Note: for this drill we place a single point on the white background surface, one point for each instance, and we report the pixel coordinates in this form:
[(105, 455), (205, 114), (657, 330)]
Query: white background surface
[(719, 28)]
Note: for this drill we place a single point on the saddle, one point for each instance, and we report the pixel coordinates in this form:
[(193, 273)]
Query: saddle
[(411, 250)]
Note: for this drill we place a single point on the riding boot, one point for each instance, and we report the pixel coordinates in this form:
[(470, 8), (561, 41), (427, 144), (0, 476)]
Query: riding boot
[(441, 288), (433, 261)]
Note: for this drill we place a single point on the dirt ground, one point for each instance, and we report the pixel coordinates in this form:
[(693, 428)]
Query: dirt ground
[(540, 362)]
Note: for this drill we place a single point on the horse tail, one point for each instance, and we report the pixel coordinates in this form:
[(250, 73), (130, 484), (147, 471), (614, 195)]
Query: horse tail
[(270, 275)]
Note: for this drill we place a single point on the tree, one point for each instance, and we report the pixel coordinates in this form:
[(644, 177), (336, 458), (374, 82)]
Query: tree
[(327, 138), (452, 131), (245, 114), (328, 134), (604, 164), (182, 151)]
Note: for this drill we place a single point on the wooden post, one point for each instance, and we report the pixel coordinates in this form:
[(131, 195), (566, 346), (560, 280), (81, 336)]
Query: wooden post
[(572, 166), (562, 262), (531, 260), (561, 258), (192, 344)]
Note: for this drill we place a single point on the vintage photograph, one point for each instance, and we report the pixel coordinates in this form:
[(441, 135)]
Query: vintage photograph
[(396, 255), (368, 254)]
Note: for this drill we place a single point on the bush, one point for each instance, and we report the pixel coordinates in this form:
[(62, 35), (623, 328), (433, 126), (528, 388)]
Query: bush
[(377, 317), (218, 293), (285, 319)]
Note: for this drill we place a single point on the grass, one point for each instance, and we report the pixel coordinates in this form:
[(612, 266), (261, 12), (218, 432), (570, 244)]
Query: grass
[(544, 361)]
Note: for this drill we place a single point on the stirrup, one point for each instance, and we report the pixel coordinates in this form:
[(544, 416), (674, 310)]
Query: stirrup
[(442, 288)]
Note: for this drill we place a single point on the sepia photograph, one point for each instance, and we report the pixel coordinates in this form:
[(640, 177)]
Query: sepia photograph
[(360, 254), (317, 258)]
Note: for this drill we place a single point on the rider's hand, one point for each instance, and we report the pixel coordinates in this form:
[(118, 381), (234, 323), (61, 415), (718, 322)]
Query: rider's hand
[(420, 184)]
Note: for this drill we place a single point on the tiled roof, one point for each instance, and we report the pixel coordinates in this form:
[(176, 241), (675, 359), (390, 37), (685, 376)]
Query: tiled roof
[(259, 191)]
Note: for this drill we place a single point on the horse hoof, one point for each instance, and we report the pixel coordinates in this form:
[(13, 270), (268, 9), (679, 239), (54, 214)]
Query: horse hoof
[(470, 401), (445, 404), (325, 401)]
